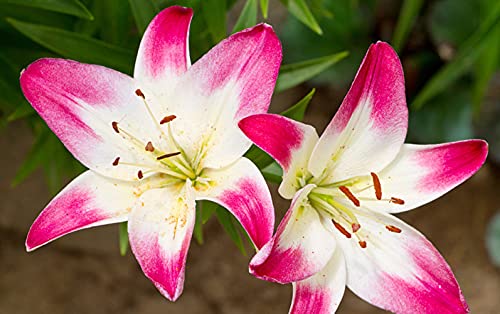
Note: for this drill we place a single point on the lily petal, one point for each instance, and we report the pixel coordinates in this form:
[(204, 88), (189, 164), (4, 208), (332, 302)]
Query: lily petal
[(422, 173), (370, 126), (400, 272), (233, 80), (89, 200), (301, 247), (243, 191), (289, 142), (163, 55), (322, 292), (160, 229), (80, 102)]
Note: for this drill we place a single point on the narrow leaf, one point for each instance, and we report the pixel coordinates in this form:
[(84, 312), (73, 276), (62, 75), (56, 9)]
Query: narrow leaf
[(273, 173), (296, 73), (248, 16), (485, 69), (208, 209), (198, 224), (123, 237), (70, 7), (228, 223), (214, 12), (301, 11), (78, 47), (23, 110), (34, 159), (143, 11), (465, 57), (264, 7), (297, 111), (407, 16)]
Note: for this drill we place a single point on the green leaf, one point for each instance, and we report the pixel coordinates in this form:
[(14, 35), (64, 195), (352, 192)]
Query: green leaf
[(123, 237), (143, 11), (228, 223), (264, 6), (407, 16), (447, 118), (70, 7), (113, 18), (23, 110), (467, 54), (248, 16), (35, 158), (273, 173), (198, 224), (485, 68), (301, 11), (296, 73), (208, 209), (493, 239), (297, 111), (77, 47), (214, 12)]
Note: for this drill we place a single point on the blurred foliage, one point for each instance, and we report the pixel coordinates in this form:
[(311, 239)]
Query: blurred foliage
[(450, 50), (493, 239)]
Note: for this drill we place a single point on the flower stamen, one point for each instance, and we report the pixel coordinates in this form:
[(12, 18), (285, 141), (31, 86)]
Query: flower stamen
[(362, 244), (116, 161), (149, 147), (168, 155), (167, 119), (376, 185), (355, 227), (397, 201), (341, 229), (139, 174), (114, 124), (392, 228), (349, 195)]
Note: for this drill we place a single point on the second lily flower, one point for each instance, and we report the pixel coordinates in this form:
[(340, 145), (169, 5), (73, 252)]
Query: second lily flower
[(345, 185)]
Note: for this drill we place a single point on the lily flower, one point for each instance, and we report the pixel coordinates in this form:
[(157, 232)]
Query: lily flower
[(345, 185), (159, 141)]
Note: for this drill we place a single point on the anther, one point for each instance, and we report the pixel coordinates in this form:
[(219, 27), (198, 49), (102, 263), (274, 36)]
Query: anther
[(362, 244), (392, 228), (167, 155), (341, 229), (396, 200), (139, 174), (149, 147), (114, 124), (349, 195), (377, 186), (167, 119), (139, 93), (355, 227), (116, 161)]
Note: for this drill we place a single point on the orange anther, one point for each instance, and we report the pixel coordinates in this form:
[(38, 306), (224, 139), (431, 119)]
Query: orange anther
[(396, 200), (341, 229), (349, 195), (377, 186)]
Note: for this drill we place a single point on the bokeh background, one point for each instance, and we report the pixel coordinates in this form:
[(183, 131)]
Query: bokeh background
[(450, 50)]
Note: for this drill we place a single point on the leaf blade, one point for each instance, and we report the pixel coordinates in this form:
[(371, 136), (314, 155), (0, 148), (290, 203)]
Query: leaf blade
[(296, 73), (76, 46), (70, 7)]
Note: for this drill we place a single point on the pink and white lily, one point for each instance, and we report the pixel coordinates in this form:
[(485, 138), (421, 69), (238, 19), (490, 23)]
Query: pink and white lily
[(159, 141), (345, 184)]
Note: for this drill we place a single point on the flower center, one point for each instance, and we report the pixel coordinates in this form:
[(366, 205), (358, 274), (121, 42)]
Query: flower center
[(174, 165), (334, 200)]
